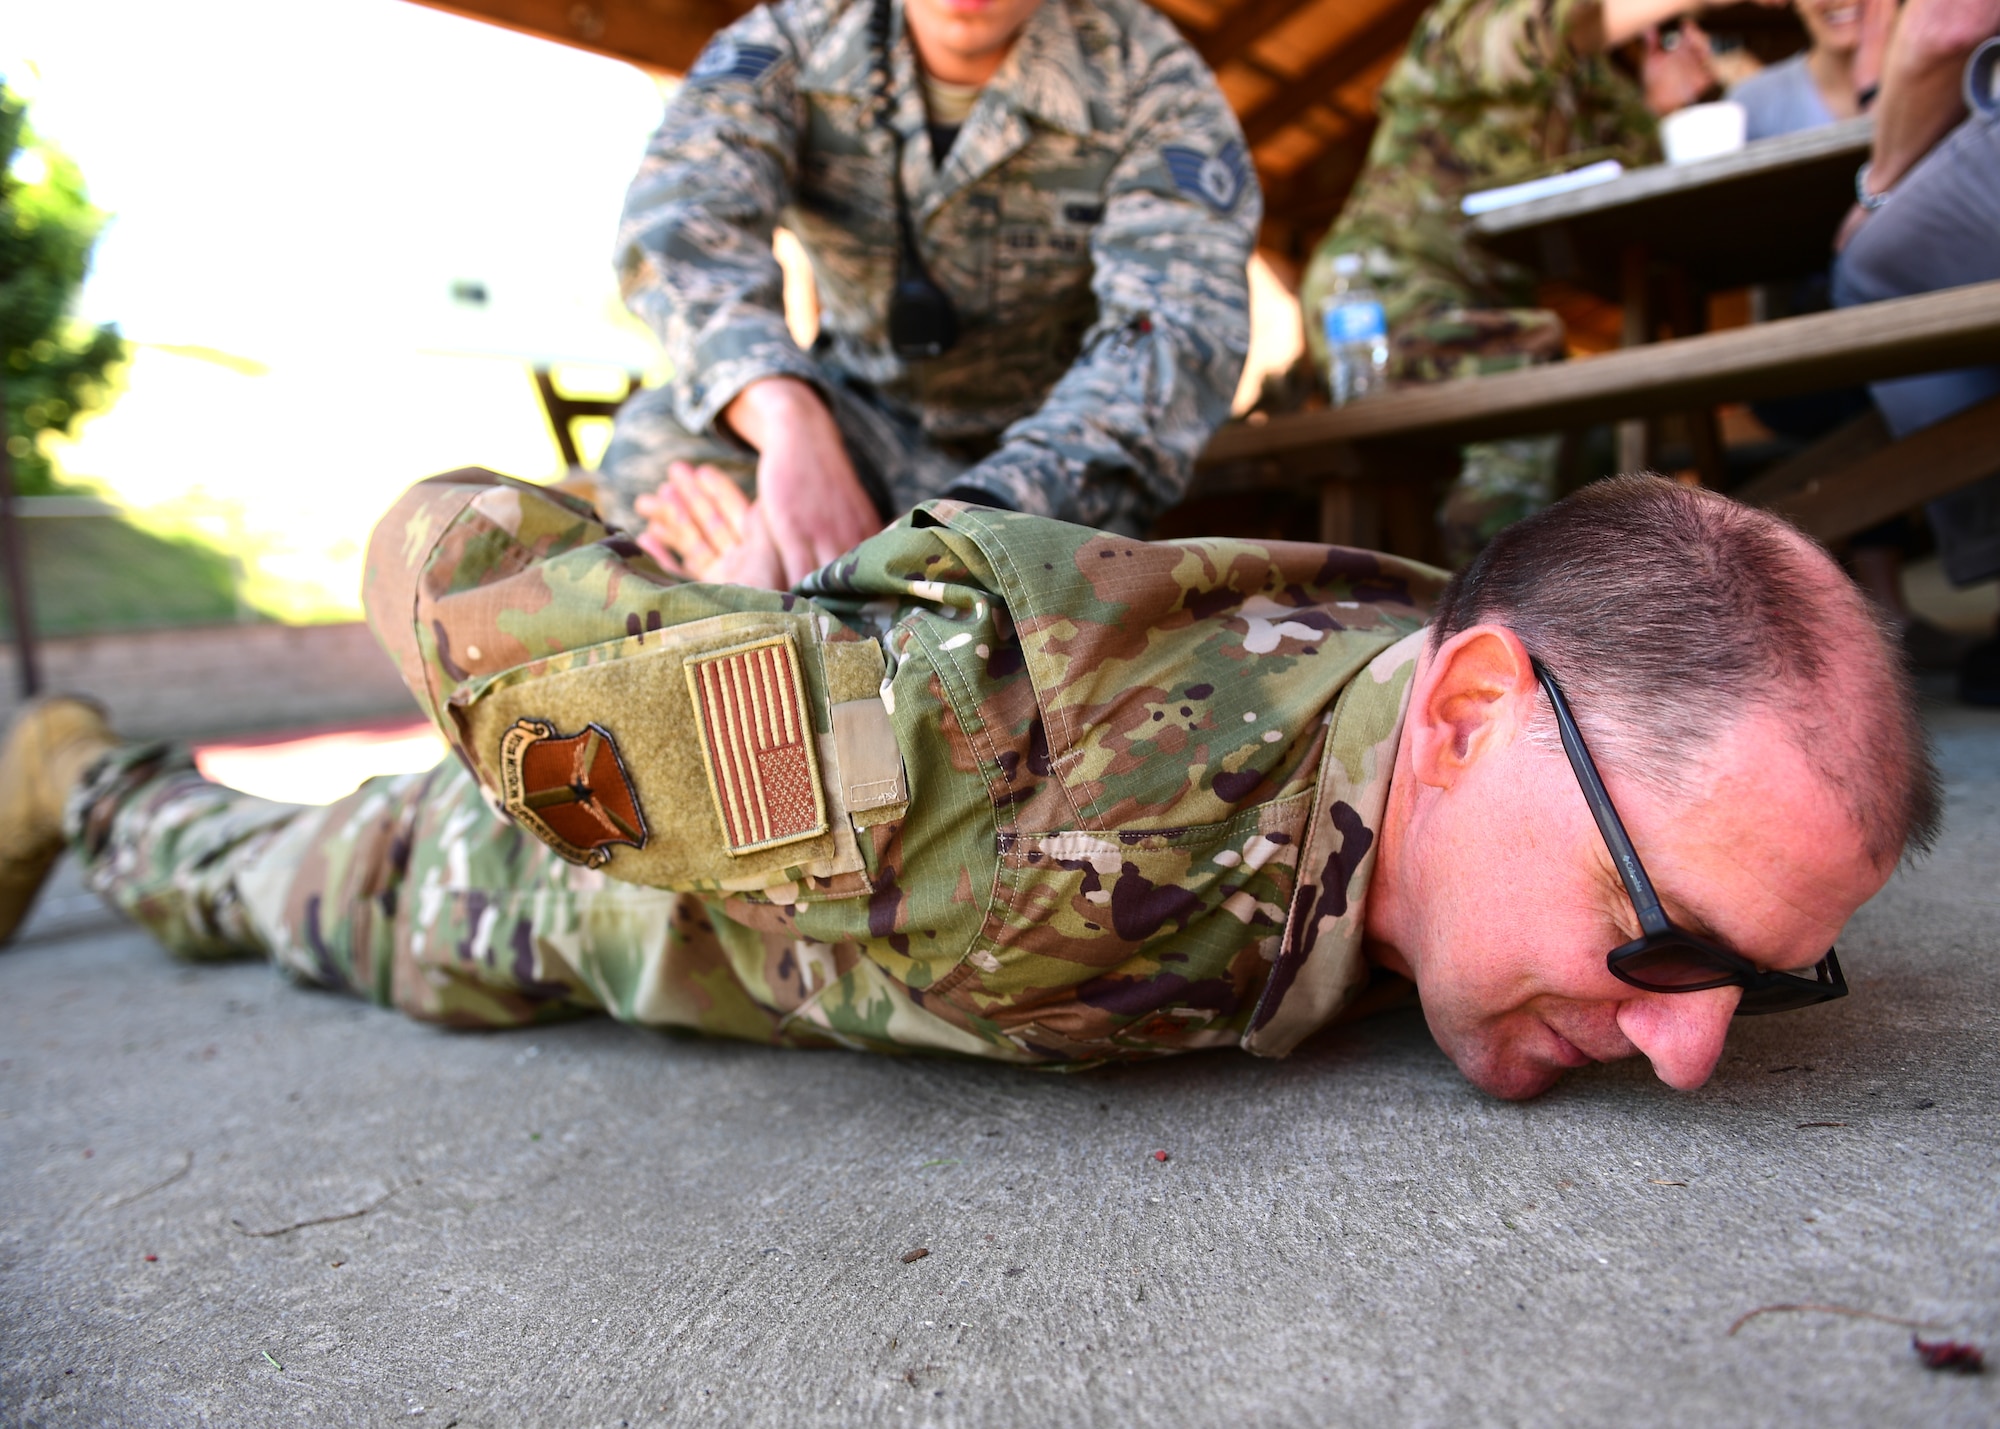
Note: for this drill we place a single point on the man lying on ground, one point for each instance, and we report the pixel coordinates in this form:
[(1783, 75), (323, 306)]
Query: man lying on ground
[(997, 785)]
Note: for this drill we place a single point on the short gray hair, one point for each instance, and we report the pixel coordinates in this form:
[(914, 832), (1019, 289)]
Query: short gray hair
[(1669, 613)]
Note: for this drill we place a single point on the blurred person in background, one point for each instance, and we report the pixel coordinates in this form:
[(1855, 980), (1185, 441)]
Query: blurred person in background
[(1835, 78), (1029, 223), (1821, 84), (1490, 93), (1927, 217)]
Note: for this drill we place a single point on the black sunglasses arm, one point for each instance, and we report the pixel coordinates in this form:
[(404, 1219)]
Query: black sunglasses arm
[(1652, 917)]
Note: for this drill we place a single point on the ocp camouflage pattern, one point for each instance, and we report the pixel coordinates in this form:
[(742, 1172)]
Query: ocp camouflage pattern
[(1144, 784), (1488, 93), (1091, 223)]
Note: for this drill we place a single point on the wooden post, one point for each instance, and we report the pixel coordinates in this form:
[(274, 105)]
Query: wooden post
[(27, 665), (1635, 289), (1704, 431)]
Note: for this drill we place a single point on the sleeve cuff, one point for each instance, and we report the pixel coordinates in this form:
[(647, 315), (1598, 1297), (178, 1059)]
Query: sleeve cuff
[(750, 348), (978, 496), (1017, 478)]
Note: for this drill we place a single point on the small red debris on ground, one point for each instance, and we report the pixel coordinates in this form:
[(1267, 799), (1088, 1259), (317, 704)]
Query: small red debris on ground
[(1159, 1155), (912, 1256), (152, 1257), (88, 1153), (1949, 1354)]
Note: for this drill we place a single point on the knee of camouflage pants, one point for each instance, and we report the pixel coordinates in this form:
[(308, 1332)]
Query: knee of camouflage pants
[(1498, 484), (1451, 343), (166, 848)]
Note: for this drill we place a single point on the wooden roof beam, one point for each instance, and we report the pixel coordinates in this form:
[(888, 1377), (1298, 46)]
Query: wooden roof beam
[(657, 34), (1242, 28), (1352, 56)]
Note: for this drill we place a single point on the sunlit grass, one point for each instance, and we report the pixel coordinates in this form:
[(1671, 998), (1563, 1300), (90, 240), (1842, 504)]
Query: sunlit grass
[(283, 465)]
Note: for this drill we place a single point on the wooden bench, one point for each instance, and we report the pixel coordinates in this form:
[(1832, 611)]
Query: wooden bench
[(1379, 464)]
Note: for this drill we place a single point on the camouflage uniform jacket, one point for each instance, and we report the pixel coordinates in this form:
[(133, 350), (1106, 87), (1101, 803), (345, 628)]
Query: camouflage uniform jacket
[(990, 784), (1489, 92), (1091, 224)]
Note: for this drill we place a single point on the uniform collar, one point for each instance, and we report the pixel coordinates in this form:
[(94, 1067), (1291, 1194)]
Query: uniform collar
[(843, 62), (1320, 967), (1043, 77)]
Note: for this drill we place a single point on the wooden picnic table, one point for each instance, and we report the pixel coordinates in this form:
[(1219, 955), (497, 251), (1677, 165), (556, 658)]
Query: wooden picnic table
[(1379, 463), (1766, 213), (1763, 214)]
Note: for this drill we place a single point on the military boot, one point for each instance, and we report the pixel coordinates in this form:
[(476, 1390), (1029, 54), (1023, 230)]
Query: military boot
[(53, 741)]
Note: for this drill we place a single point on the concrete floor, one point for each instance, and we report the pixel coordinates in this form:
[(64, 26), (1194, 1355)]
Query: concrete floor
[(597, 1226)]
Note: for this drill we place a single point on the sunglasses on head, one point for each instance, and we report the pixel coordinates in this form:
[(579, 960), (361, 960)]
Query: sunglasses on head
[(1665, 958)]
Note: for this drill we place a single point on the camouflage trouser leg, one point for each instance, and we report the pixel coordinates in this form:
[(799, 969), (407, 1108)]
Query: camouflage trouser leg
[(890, 453), (1499, 482), (410, 892)]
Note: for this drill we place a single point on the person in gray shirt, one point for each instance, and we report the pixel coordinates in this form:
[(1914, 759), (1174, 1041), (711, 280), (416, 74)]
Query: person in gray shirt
[(1927, 212), (1816, 86)]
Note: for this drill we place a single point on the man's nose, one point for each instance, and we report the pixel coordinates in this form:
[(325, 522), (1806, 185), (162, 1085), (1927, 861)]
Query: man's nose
[(1681, 1033)]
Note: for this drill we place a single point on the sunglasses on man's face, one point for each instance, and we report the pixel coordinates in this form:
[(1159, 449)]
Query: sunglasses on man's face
[(1665, 958)]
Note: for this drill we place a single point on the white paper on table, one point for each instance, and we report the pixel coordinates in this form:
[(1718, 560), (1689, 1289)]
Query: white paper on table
[(1486, 200)]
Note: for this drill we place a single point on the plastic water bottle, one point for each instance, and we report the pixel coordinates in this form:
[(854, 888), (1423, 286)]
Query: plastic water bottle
[(1357, 337)]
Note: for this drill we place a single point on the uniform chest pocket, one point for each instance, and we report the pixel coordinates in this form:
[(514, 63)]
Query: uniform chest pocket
[(1159, 939), (1041, 252)]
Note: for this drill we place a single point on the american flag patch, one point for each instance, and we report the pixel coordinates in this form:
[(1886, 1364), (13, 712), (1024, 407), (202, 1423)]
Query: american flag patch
[(757, 740)]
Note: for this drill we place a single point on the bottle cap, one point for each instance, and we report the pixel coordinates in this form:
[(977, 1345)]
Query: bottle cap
[(1346, 265)]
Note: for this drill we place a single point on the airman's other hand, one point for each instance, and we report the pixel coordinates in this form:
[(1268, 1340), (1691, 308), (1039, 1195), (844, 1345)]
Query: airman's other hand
[(754, 561), (695, 519)]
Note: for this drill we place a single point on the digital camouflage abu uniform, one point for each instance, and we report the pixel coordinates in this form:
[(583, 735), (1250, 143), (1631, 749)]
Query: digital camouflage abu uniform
[(1091, 224), (991, 784), (1488, 93)]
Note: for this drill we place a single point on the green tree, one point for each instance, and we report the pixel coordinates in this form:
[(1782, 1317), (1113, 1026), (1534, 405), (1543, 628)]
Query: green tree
[(53, 366)]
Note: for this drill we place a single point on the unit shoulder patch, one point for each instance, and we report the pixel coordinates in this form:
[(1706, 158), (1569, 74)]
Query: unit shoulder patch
[(1216, 179), (570, 791), (758, 742)]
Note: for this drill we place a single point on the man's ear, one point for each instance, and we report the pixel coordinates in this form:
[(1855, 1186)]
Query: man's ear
[(1476, 695)]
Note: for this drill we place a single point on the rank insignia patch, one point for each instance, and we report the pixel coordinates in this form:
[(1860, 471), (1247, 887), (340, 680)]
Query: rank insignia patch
[(1216, 179), (757, 739), (727, 59), (570, 791)]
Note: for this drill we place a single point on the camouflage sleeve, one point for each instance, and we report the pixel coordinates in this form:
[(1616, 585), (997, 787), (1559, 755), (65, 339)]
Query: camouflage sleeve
[(1116, 440), (694, 242), (455, 584), (1497, 47)]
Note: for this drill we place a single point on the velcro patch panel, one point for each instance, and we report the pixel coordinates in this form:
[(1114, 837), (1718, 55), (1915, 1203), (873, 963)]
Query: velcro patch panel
[(757, 741)]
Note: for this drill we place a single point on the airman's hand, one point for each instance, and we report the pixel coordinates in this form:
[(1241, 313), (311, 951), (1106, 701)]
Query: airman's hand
[(807, 493)]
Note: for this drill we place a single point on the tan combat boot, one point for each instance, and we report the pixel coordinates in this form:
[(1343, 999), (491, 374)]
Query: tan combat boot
[(54, 739)]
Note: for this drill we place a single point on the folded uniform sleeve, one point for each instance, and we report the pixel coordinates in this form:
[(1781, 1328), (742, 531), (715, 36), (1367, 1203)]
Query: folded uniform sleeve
[(471, 573), (694, 253), (1116, 441)]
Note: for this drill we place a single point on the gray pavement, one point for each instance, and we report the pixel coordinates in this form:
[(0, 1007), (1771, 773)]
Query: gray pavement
[(598, 1226)]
